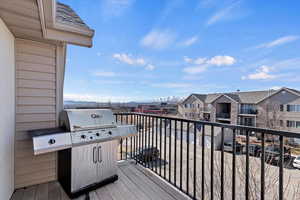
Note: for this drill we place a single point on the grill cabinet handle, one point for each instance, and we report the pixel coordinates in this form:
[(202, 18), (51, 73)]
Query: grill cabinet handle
[(99, 154), (94, 160)]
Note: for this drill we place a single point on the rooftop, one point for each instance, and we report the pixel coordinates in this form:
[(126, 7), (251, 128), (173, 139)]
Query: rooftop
[(251, 97)]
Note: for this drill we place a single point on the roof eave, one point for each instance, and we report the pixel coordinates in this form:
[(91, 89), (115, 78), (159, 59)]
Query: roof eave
[(55, 30)]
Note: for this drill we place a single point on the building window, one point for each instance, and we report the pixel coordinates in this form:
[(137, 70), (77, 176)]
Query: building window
[(185, 105), (198, 105), (293, 108), (293, 124), (281, 108), (281, 123)]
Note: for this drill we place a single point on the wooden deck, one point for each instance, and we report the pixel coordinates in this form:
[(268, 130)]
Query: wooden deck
[(135, 183)]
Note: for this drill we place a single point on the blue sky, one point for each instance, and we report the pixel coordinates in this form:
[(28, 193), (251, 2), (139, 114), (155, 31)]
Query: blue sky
[(145, 50)]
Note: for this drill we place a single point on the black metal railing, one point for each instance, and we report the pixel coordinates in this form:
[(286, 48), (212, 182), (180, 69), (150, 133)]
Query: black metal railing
[(249, 111), (177, 150), (223, 115)]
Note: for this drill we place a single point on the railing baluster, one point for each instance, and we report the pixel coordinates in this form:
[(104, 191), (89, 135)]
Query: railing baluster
[(144, 140), (222, 164), (233, 162), (212, 164), (148, 138), (170, 149), (247, 167), (203, 164), (156, 141), (262, 174), (195, 161), (281, 160), (134, 138), (152, 141), (181, 137), (175, 151), (126, 140), (165, 148), (140, 138), (187, 156), (160, 144), (121, 141)]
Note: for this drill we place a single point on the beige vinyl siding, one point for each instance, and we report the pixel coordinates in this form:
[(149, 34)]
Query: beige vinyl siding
[(35, 109)]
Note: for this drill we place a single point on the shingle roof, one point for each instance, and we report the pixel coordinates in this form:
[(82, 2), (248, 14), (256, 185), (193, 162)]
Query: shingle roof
[(67, 15), (251, 97)]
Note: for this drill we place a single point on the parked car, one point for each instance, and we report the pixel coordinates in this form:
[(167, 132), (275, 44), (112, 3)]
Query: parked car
[(228, 146), (254, 150), (272, 154), (296, 162)]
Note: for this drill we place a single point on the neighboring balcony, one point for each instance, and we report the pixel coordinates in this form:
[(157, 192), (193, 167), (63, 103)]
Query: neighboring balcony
[(248, 111), (223, 115)]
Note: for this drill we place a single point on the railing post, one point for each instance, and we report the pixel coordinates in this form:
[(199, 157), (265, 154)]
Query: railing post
[(187, 157), (212, 164), (262, 174), (222, 164), (281, 160), (247, 167), (195, 162), (203, 164), (233, 162)]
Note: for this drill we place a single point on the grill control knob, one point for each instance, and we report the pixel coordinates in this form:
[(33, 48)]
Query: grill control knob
[(51, 141), (97, 134), (83, 136), (109, 132)]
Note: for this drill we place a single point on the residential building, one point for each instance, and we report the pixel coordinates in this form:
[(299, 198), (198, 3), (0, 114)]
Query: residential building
[(276, 109)]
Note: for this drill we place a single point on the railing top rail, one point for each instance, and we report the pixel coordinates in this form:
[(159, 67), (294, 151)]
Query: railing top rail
[(230, 126)]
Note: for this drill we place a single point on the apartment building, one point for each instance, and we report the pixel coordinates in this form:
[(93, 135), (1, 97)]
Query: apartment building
[(276, 109)]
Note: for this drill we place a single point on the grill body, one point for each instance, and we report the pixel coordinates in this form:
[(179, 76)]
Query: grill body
[(87, 143)]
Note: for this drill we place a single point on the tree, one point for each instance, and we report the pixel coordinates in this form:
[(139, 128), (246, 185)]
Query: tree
[(269, 116)]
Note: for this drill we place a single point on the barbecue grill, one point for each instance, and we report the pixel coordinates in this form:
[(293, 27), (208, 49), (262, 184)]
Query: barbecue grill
[(87, 143)]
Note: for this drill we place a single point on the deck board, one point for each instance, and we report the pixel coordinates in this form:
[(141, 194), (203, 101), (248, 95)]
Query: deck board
[(135, 183)]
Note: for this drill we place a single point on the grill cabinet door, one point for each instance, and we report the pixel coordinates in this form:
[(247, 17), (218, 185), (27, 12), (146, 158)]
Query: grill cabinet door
[(84, 166), (107, 160)]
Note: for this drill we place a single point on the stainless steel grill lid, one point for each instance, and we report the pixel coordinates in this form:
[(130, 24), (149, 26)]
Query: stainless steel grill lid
[(83, 119)]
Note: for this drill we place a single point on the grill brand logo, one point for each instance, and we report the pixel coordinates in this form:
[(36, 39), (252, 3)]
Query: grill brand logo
[(94, 116)]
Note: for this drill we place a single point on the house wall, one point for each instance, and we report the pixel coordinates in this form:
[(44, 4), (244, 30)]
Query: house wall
[(39, 80), (283, 98), (7, 108), (195, 110)]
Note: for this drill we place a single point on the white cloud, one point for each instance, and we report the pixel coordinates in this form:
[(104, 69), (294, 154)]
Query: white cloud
[(150, 67), (158, 39), (99, 54), (222, 14), (262, 73), (189, 41), (202, 64), (171, 85), (279, 41), (105, 74), (125, 58), (195, 69), (130, 60), (115, 8), (221, 60)]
